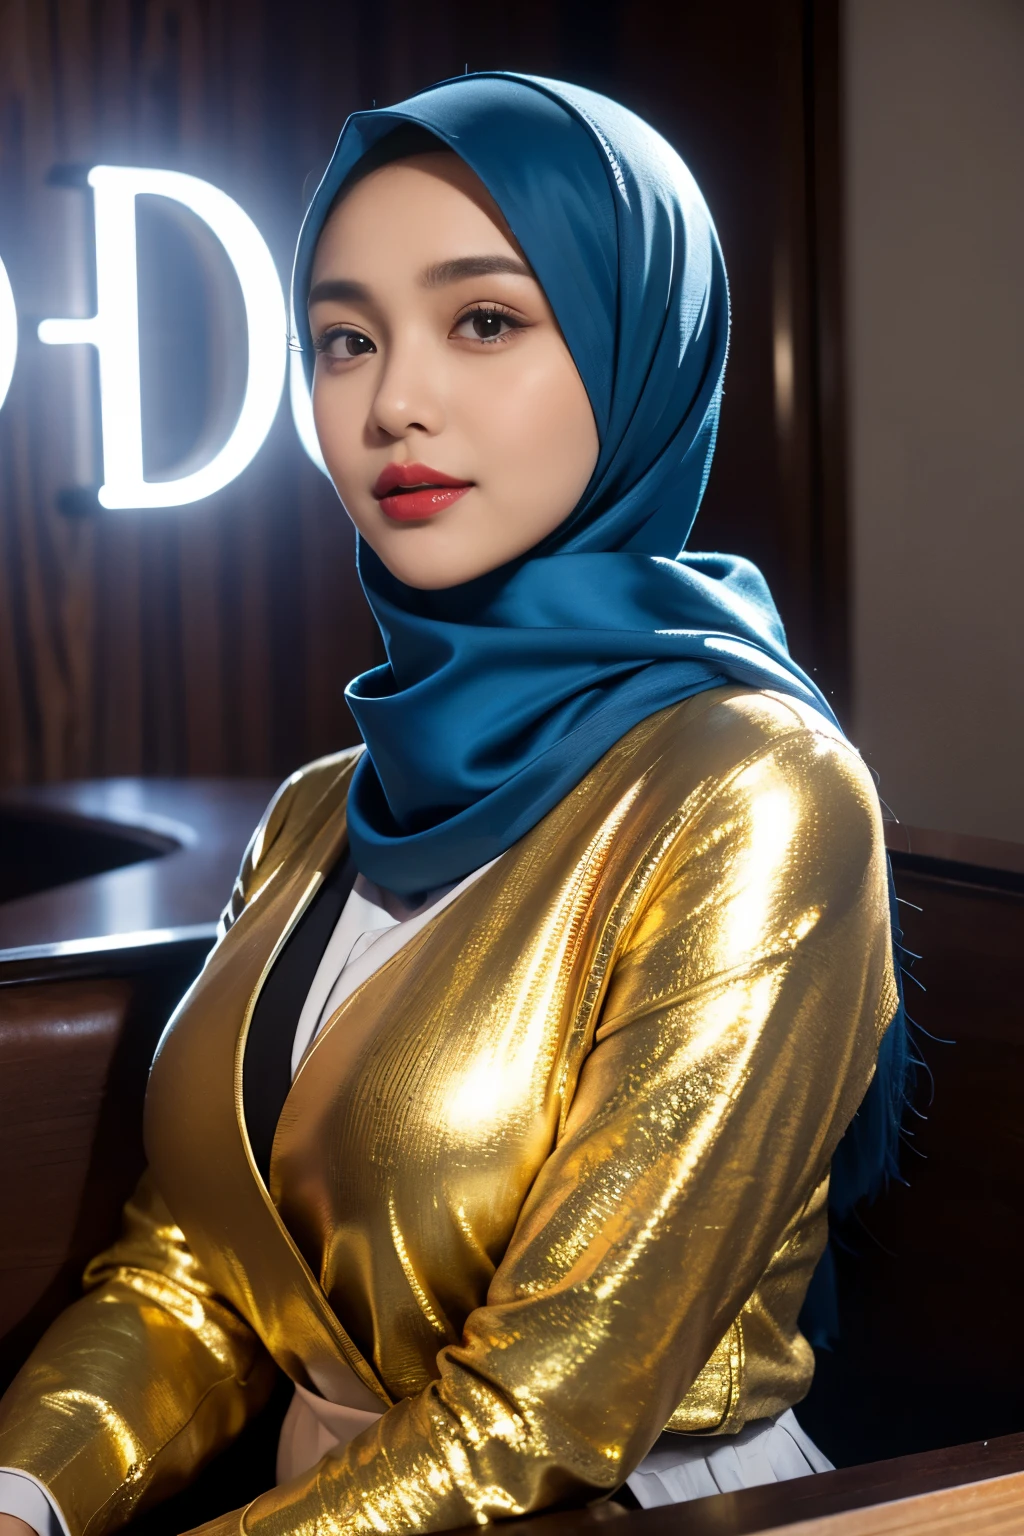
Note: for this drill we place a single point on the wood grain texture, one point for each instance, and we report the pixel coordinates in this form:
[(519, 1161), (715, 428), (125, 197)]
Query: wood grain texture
[(994, 1508), (800, 1504), (217, 638)]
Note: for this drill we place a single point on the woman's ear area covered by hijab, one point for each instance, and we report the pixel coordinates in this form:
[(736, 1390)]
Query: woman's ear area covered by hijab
[(450, 413)]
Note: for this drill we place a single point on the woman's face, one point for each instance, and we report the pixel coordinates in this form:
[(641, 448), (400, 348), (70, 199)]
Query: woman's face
[(450, 414)]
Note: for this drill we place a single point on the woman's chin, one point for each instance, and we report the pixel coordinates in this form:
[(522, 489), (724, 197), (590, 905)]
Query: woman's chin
[(432, 580), (422, 570), (431, 557)]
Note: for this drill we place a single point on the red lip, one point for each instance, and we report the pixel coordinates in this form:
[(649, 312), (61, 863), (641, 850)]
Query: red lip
[(409, 493), (402, 476)]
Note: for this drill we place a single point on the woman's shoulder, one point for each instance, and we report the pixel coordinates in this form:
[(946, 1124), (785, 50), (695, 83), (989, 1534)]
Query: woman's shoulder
[(719, 732), (307, 798), (745, 718), (311, 792), (757, 753)]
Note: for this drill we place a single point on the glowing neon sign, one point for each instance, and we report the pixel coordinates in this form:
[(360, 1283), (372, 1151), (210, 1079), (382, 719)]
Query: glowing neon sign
[(114, 332), (302, 408), (8, 334)]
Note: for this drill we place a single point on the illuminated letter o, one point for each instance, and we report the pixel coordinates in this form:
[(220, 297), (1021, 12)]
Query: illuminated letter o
[(8, 333), (302, 410)]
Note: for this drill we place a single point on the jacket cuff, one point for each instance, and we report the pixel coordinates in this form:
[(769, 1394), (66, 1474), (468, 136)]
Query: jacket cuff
[(224, 1525)]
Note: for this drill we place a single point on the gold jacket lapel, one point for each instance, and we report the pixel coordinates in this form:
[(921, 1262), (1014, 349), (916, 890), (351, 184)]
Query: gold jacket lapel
[(196, 1140)]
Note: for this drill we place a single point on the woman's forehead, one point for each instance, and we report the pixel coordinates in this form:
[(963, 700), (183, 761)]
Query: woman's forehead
[(387, 209)]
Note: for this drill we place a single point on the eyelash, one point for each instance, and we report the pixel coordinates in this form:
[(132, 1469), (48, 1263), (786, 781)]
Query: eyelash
[(324, 340), (514, 323), (332, 333)]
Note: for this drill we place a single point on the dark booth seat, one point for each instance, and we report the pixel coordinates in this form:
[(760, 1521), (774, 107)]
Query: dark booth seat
[(109, 895)]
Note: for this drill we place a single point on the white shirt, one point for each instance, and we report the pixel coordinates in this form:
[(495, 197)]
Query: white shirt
[(374, 925)]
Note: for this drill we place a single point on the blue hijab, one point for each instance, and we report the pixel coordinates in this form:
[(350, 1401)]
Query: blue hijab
[(498, 695), (513, 685)]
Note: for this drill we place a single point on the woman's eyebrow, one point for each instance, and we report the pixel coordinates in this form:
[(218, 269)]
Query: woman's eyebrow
[(340, 290), (343, 290), (460, 267)]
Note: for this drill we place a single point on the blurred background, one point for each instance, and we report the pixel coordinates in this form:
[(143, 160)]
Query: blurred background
[(862, 161)]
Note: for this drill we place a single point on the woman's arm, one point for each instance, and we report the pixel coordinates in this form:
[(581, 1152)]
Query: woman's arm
[(136, 1385), (139, 1383), (737, 1038)]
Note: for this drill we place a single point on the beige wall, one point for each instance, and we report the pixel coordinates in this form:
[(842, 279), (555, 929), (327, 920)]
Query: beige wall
[(935, 294)]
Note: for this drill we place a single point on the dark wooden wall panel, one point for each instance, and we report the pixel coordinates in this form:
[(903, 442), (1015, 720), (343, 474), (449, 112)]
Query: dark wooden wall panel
[(217, 638), (214, 638), (931, 1352)]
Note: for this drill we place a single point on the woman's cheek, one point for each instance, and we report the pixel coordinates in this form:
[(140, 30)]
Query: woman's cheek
[(562, 436), (512, 420), (337, 432)]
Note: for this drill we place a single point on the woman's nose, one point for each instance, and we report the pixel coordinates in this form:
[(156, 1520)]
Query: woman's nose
[(408, 397)]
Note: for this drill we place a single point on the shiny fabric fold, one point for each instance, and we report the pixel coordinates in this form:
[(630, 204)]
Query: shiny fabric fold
[(137, 1385)]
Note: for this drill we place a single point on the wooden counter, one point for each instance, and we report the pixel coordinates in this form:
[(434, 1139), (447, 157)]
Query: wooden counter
[(184, 837), (977, 1488)]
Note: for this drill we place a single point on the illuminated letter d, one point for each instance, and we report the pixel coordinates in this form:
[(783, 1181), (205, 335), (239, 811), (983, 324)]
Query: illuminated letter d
[(114, 332)]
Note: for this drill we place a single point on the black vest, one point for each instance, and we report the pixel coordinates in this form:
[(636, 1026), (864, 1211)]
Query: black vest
[(267, 1067)]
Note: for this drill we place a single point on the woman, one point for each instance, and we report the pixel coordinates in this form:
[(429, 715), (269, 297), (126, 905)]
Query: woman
[(501, 1117)]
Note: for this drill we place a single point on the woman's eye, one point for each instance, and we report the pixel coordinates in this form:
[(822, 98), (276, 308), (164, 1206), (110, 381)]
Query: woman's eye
[(342, 345), (486, 325)]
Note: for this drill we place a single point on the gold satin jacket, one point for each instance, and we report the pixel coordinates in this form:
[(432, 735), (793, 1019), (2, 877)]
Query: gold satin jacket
[(553, 1179)]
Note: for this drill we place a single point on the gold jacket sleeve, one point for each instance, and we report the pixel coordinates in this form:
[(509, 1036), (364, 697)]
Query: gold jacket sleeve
[(737, 1037), (149, 1375), (136, 1385)]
